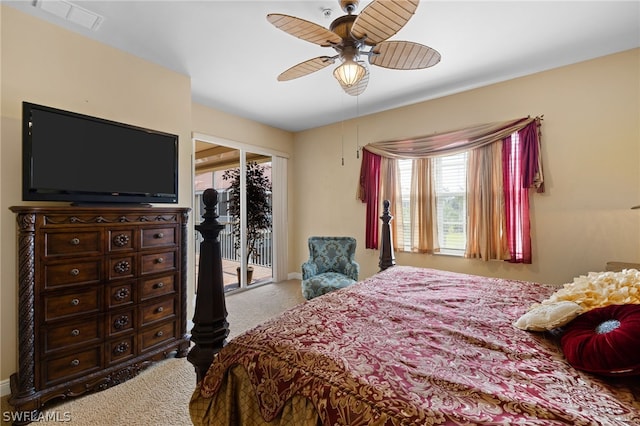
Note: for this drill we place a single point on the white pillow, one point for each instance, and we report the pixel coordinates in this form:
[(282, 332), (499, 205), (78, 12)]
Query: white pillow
[(548, 316)]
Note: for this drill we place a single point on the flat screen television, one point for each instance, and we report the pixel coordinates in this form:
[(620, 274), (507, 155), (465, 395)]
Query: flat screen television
[(73, 157)]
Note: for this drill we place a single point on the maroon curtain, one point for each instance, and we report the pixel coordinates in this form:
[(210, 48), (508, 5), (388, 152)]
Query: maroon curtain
[(530, 156), (369, 194), (516, 199)]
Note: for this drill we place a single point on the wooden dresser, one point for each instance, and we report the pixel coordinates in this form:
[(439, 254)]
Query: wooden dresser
[(102, 294)]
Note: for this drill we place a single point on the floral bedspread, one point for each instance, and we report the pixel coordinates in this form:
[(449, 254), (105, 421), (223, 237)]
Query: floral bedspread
[(413, 346)]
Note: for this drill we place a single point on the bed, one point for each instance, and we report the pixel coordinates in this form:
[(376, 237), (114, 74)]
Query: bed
[(410, 346)]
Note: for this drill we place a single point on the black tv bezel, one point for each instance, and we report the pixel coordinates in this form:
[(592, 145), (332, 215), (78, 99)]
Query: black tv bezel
[(87, 197)]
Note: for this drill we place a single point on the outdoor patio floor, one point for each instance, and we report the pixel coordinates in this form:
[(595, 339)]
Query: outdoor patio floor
[(230, 275)]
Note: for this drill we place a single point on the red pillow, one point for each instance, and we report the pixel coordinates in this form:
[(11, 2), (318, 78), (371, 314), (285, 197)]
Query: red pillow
[(605, 341)]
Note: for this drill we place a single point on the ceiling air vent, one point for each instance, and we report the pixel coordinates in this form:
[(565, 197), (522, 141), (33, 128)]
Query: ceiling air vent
[(70, 12)]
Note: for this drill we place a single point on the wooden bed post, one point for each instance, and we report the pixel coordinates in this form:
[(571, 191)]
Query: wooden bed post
[(387, 259), (210, 326)]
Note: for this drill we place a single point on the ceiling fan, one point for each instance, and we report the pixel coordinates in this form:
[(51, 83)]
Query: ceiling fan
[(354, 37)]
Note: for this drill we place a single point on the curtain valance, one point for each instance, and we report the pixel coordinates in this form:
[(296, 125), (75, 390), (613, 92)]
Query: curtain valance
[(448, 143)]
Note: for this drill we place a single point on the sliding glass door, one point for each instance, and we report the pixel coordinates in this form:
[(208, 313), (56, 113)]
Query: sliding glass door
[(250, 201), (244, 180)]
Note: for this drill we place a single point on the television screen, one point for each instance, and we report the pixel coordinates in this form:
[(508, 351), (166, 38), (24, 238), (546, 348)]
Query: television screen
[(73, 157)]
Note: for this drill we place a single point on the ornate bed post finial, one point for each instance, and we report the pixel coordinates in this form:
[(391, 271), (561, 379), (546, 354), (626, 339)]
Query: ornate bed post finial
[(210, 326), (387, 258)]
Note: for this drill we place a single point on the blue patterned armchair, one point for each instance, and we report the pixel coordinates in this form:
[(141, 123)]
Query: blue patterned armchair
[(331, 265)]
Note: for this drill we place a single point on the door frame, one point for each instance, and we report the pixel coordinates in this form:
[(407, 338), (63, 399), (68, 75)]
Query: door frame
[(279, 200)]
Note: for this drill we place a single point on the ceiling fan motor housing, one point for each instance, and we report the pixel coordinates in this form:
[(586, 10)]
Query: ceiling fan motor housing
[(349, 47), (342, 26)]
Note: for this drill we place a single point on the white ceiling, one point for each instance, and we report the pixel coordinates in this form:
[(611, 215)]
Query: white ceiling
[(233, 55)]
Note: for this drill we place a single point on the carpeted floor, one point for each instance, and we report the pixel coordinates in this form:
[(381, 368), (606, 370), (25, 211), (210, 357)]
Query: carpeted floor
[(160, 395)]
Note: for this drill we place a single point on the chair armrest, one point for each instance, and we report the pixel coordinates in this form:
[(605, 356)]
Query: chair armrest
[(309, 269), (352, 270)]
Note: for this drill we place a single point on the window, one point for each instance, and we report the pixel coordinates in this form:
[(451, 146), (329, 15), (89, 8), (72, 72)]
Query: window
[(404, 170), (514, 165), (450, 186), (450, 178), (451, 202)]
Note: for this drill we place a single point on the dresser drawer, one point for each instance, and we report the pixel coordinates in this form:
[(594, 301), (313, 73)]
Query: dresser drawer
[(156, 335), (73, 365), (121, 321), (158, 311), (158, 237), (121, 239), (157, 287), (84, 332), (85, 301), (158, 262), (70, 243), (120, 294), (76, 272), (120, 349), (122, 267)]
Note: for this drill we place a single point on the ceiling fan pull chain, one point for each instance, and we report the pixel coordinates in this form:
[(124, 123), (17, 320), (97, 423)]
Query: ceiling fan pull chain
[(358, 127), (342, 128)]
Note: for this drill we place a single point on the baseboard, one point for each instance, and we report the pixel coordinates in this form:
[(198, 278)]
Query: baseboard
[(5, 388), (294, 276)]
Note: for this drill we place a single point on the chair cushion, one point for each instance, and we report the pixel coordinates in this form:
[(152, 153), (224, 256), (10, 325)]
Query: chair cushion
[(332, 254), (605, 341), (324, 283)]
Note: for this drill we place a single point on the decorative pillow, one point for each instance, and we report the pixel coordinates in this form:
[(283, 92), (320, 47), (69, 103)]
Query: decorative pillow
[(605, 341), (598, 289), (548, 316)]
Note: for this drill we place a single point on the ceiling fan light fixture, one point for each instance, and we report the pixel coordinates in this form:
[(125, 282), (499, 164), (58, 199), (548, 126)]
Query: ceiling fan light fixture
[(349, 73)]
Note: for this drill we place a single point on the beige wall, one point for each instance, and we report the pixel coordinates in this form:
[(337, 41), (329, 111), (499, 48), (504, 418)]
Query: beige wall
[(221, 125), (591, 154)]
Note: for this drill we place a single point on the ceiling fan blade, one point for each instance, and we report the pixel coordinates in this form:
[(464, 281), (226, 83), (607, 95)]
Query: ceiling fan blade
[(382, 18), (360, 86), (306, 67), (304, 30), (403, 55)]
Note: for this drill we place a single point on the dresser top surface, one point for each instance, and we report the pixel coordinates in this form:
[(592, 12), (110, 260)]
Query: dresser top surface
[(128, 208)]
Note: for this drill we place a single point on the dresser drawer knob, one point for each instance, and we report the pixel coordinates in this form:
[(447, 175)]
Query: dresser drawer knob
[(159, 333), (75, 362), (160, 309), (121, 322), (121, 348), (160, 260), (122, 267), (75, 332), (75, 241), (159, 285), (121, 240), (159, 235), (121, 294), (75, 302), (75, 272)]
